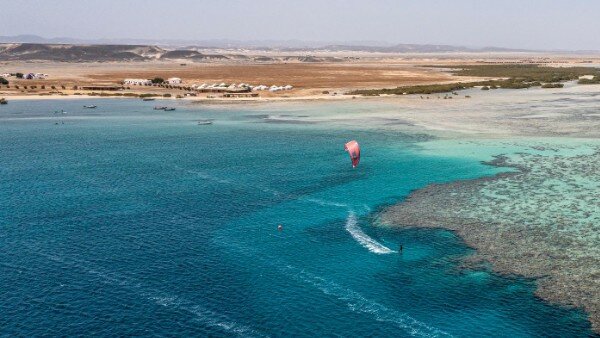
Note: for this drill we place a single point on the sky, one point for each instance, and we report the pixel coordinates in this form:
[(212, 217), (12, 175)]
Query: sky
[(528, 24)]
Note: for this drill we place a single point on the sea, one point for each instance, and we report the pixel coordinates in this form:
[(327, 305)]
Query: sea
[(127, 221)]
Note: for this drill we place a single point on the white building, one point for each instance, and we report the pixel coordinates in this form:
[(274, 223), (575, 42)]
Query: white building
[(260, 87), (173, 80), (5, 75), (288, 87), (137, 82)]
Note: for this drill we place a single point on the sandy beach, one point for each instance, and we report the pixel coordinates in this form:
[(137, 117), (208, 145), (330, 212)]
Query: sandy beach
[(318, 80)]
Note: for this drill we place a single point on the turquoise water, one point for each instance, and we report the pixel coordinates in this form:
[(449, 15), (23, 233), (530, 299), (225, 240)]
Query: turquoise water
[(125, 221)]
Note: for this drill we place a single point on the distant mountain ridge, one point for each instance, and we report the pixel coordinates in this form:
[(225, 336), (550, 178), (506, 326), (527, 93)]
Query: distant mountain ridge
[(141, 52), (281, 45), (123, 53), (74, 53)]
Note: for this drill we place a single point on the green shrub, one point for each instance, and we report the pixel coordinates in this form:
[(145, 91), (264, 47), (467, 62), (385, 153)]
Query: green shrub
[(508, 77), (553, 85)]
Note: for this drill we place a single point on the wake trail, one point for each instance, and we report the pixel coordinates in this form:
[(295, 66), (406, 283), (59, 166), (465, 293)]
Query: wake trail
[(201, 313), (351, 222), (364, 239), (355, 302)]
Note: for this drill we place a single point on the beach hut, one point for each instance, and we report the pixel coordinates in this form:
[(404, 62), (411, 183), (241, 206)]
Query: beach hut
[(137, 82), (174, 80)]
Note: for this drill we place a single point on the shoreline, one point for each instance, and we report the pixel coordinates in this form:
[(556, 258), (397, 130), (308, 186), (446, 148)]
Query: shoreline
[(526, 250)]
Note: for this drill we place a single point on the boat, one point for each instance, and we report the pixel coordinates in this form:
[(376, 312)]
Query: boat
[(160, 108), (3, 101), (204, 122), (148, 99), (90, 106), (169, 109)]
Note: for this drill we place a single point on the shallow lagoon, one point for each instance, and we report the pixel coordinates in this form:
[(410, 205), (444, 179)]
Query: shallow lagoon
[(123, 220)]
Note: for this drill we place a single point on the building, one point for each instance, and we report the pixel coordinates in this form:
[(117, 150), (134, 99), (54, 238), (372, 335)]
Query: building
[(173, 80), (137, 82), (260, 87)]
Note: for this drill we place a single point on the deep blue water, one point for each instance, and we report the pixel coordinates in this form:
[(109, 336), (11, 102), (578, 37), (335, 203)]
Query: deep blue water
[(126, 221)]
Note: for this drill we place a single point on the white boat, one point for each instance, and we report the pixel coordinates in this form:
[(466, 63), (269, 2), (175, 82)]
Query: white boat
[(204, 122), (90, 106)]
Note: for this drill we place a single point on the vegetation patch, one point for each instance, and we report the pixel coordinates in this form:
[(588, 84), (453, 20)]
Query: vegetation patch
[(507, 77), (553, 85)]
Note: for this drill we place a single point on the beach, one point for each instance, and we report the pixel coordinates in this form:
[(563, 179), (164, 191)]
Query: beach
[(310, 80)]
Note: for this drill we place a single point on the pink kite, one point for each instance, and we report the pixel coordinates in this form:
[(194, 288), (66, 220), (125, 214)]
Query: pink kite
[(353, 150)]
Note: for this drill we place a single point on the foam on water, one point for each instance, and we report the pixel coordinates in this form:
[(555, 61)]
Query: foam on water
[(364, 239)]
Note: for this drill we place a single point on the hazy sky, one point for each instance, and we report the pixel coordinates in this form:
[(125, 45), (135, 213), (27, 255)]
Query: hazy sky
[(534, 24)]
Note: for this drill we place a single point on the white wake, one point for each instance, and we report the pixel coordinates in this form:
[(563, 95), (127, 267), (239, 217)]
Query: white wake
[(364, 239)]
